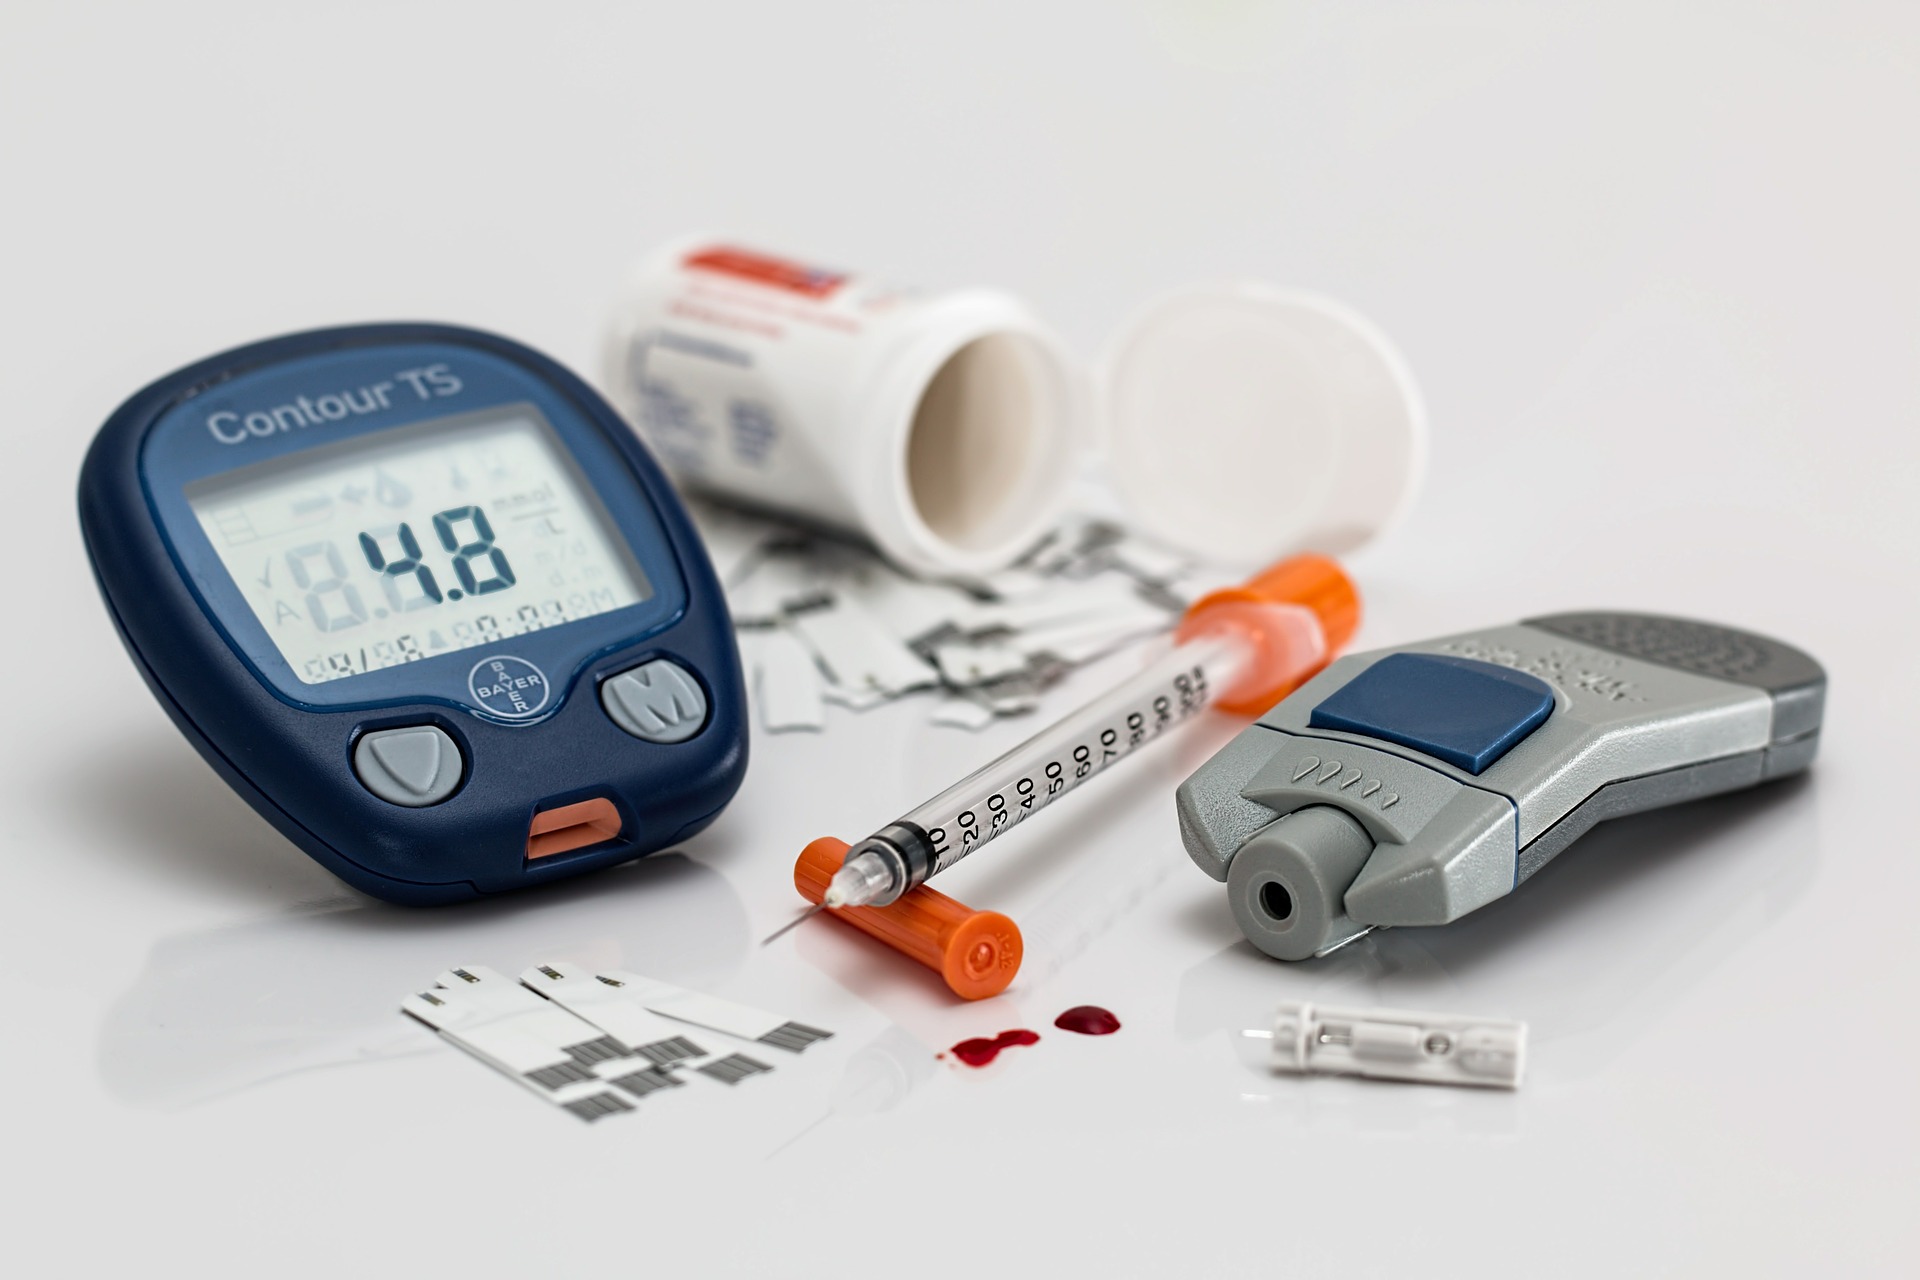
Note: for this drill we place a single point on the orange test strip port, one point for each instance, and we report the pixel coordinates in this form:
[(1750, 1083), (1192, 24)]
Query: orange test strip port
[(976, 952), (572, 826)]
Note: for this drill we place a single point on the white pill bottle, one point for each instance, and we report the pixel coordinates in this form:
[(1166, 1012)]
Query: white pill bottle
[(1236, 421), (944, 427)]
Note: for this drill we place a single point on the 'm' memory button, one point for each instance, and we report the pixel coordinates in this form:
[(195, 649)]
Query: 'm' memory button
[(657, 701)]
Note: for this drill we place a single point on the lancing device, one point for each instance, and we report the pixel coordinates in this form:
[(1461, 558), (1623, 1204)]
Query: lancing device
[(1411, 786)]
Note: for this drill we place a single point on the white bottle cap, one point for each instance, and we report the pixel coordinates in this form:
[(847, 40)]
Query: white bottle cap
[(1243, 423)]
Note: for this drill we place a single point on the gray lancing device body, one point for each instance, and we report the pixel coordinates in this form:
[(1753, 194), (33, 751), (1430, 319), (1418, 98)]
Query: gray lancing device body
[(1321, 833)]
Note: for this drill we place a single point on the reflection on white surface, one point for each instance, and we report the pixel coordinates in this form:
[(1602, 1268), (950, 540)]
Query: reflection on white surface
[(1587, 952), (1349, 1104), (1111, 880), (230, 1008), (878, 1077)]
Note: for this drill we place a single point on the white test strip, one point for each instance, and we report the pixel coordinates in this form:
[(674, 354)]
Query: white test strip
[(874, 634), (1107, 597), (590, 1100), (963, 713), (971, 664), (1068, 545), (1150, 563), (661, 1040), (1010, 702), (909, 608), (771, 584), (712, 1012), (1084, 639), (1017, 584), (549, 1051), (786, 683), (501, 1019), (858, 652), (853, 699)]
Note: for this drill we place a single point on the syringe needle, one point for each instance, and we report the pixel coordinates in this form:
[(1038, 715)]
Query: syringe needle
[(794, 923)]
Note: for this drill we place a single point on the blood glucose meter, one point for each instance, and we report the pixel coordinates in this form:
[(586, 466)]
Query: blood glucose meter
[(419, 595)]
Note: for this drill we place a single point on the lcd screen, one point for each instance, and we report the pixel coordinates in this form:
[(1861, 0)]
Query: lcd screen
[(407, 544)]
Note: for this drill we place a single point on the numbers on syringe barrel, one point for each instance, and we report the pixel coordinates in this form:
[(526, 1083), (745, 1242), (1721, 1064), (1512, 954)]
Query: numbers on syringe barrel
[(997, 811), (1191, 689)]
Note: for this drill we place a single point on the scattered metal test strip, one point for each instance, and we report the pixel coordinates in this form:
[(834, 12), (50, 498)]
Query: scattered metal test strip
[(823, 622)]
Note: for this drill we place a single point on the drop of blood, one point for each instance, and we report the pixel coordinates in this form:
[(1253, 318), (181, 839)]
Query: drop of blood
[(980, 1051), (1088, 1020)]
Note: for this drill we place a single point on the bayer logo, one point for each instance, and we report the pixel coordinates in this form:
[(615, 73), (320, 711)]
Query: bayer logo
[(509, 687)]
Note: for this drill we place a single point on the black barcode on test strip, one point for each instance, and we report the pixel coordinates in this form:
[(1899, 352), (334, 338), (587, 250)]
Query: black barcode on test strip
[(597, 1106), (647, 1080), (794, 1036), (733, 1068), (551, 1078), (673, 1049), (588, 1052)]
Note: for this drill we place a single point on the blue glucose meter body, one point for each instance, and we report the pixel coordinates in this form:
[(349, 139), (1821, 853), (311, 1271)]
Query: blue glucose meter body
[(419, 595)]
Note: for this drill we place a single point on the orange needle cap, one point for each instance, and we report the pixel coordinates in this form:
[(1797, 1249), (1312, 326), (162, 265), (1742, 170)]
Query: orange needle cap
[(977, 952)]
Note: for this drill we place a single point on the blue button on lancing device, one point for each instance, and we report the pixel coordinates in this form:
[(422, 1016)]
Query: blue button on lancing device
[(1465, 712), (420, 597)]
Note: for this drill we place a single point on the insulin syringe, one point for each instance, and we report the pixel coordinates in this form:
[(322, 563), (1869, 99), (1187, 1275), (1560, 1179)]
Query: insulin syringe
[(1240, 649)]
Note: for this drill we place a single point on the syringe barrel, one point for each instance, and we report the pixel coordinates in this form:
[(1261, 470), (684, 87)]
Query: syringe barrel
[(977, 952), (990, 801), (1242, 647)]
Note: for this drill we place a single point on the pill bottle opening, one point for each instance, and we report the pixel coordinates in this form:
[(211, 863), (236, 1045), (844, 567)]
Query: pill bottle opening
[(988, 442)]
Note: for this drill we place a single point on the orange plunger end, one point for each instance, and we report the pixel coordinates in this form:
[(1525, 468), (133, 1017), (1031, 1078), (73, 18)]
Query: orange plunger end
[(977, 952), (1314, 583)]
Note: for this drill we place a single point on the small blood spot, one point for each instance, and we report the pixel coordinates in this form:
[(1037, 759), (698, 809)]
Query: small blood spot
[(1088, 1020), (979, 1052)]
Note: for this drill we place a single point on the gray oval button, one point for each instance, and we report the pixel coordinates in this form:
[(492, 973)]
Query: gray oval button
[(657, 701), (414, 766)]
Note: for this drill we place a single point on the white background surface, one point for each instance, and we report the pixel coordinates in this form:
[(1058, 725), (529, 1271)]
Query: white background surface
[(1657, 269)]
